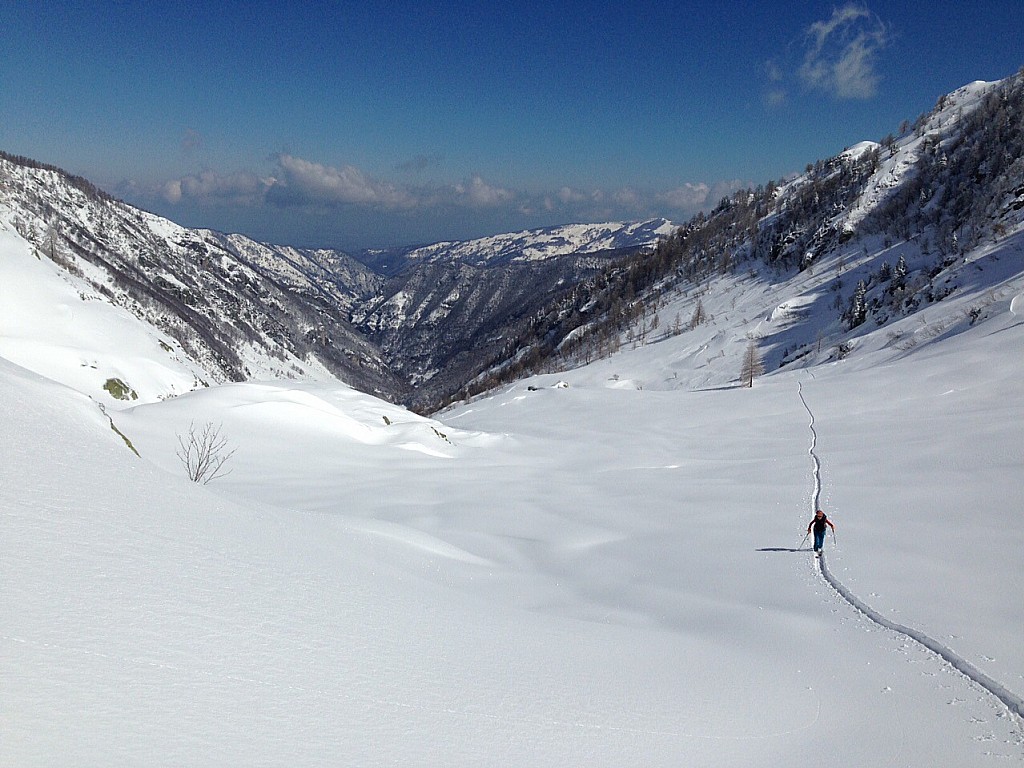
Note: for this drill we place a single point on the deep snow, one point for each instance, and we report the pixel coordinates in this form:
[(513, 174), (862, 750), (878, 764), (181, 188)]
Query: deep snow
[(590, 568)]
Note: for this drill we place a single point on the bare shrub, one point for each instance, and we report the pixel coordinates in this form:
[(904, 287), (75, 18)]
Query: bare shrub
[(204, 452)]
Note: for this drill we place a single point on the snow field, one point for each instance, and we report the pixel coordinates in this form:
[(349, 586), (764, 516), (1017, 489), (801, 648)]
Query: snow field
[(570, 575), (598, 571)]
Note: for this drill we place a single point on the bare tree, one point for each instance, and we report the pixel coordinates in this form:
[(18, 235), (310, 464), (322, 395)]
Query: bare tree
[(699, 316), (204, 453), (752, 365)]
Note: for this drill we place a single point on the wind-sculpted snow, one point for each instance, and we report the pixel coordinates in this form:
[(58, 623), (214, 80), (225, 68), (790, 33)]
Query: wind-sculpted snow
[(1017, 305)]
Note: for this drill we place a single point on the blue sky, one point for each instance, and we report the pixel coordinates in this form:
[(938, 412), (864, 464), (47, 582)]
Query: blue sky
[(363, 124)]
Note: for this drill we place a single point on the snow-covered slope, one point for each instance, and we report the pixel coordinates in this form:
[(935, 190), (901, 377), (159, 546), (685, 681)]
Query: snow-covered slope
[(237, 309), (243, 310), (541, 244), (338, 281), (899, 158), (597, 567), (600, 566), (55, 323), (858, 243)]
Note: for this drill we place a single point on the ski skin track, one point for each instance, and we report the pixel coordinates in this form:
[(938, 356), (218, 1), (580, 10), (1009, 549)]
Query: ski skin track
[(1012, 701)]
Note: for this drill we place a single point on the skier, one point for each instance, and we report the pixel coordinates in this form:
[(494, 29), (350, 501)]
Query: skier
[(818, 524)]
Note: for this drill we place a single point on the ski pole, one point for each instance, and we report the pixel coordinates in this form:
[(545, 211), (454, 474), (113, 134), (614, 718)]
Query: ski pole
[(805, 539), (835, 541)]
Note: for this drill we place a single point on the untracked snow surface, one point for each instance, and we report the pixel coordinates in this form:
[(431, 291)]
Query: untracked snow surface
[(598, 568)]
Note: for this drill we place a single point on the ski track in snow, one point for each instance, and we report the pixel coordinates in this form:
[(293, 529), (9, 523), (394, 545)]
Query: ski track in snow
[(1012, 701)]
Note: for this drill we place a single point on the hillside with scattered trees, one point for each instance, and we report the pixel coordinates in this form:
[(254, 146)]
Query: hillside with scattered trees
[(895, 220)]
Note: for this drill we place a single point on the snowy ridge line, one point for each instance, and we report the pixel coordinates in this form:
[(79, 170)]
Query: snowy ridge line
[(1012, 701)]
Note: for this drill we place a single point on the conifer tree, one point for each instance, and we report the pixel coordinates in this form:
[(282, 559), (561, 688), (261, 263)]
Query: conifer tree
[(899, 275), (859, 305)]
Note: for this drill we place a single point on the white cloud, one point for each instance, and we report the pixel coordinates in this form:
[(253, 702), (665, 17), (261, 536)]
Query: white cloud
[(302, 181), (628, 198), (172, 191), (241, 188), (841, 53), (313, 190), (775, 94), (688, 197), (480, 194), (569, 195), (821, 31)]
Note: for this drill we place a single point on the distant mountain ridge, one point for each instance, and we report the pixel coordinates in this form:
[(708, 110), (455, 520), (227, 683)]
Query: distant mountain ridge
[(527, 245), (449, 309), (243, 309), (238, 309), (896, 224)]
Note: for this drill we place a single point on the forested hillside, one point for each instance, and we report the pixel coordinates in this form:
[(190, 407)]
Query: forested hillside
[(895, 223)]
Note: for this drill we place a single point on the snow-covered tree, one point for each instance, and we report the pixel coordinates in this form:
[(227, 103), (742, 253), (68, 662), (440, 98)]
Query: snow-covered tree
[(858, 305), (899, 274)]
